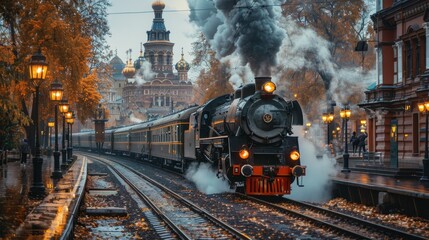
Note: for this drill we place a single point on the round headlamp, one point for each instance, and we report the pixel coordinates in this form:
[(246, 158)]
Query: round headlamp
[(269, 87), (294, 155), (244, 153)]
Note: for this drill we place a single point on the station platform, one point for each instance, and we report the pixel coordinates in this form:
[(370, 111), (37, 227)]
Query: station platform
[(378, 184), (22, 217)]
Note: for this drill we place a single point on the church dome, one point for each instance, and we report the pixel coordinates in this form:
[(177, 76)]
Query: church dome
[(117, 63), (158, 5), (129, 71), (182, 65)]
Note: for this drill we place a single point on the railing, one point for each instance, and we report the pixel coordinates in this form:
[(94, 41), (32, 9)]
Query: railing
[(375, 157)]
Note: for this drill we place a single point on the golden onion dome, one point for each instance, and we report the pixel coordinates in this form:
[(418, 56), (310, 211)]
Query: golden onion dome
[(182, 65), (158, 5), (129, 71)]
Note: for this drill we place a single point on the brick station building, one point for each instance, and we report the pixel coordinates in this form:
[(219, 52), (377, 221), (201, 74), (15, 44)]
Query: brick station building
[(395, 126)]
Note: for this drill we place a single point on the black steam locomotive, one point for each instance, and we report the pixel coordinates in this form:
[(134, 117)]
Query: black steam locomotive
[(245, 136)]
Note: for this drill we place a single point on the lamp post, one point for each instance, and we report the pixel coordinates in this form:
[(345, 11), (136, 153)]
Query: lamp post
[(327, 118), (38, 69), (51, 124), (56, 94), (64, 107), (70, 122), (345, 115), (424, 108), (68, 115)]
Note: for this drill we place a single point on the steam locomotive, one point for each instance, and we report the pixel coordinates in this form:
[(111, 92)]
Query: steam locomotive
[(245, 136)]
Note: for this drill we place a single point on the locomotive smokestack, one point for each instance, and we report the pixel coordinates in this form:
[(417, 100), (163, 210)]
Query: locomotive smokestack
[(259, 82)]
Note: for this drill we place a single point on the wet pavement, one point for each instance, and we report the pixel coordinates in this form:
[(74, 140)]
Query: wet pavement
[(411, 186), (15, 182)]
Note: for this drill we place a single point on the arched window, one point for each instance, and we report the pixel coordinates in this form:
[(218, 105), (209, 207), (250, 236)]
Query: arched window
[(152, 58), (409, 59), (160, 58), (417, 44)]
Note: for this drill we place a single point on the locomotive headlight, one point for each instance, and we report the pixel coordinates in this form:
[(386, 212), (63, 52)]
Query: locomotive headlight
[(294, 155), (269, 87), (244, 153)]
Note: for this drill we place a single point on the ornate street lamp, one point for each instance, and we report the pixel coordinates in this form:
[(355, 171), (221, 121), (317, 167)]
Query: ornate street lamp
[(424, 108), (70, 122), (56, 95), (64, 107), (68, 115), (37, 69), (51, 124), (327, 118), (345, 114)]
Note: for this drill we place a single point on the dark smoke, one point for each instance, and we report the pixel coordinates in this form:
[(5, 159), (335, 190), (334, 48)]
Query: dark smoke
[(249, 27)]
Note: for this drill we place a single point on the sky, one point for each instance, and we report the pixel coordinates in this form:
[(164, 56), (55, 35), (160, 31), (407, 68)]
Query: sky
[(129, 30)]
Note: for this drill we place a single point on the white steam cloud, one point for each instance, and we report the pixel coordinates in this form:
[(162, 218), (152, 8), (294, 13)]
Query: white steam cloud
[(304, 48), (205, 179), (144, 74), (240, 75), (134, 119), (317, 186), (301, 47)]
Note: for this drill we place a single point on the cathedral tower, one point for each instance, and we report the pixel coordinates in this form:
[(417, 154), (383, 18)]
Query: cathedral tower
[(158, 48)]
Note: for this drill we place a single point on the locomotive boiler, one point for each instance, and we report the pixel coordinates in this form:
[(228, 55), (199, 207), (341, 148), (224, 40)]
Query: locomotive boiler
[(246, 137)]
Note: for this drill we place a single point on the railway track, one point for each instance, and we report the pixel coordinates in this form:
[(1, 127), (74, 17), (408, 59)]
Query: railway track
[(289, 219), (340, 223), (184, 219)]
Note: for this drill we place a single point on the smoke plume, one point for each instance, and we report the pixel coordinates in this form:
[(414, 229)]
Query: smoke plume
[(317, 185), (205, 179), (299, 51), (144, 74), (248, 27)]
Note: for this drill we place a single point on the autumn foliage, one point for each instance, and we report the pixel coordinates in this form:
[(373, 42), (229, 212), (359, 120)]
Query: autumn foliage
[(65, 33), (213, 78)]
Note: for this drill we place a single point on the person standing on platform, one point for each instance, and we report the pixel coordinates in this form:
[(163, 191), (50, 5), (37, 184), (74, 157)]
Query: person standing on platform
[(25, 150), (362, 142), (354, 141)]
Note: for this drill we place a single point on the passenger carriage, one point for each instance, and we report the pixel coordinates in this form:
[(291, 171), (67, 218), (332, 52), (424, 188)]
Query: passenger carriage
[(121, 141), (167, 139)]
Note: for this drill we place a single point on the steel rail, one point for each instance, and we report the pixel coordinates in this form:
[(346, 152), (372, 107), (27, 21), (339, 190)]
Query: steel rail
[(156, 210), (236, 233), (383, 229)]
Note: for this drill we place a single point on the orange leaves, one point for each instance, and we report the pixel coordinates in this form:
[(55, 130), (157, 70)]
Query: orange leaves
[(88, 95), (59, 29), (6, 54)]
